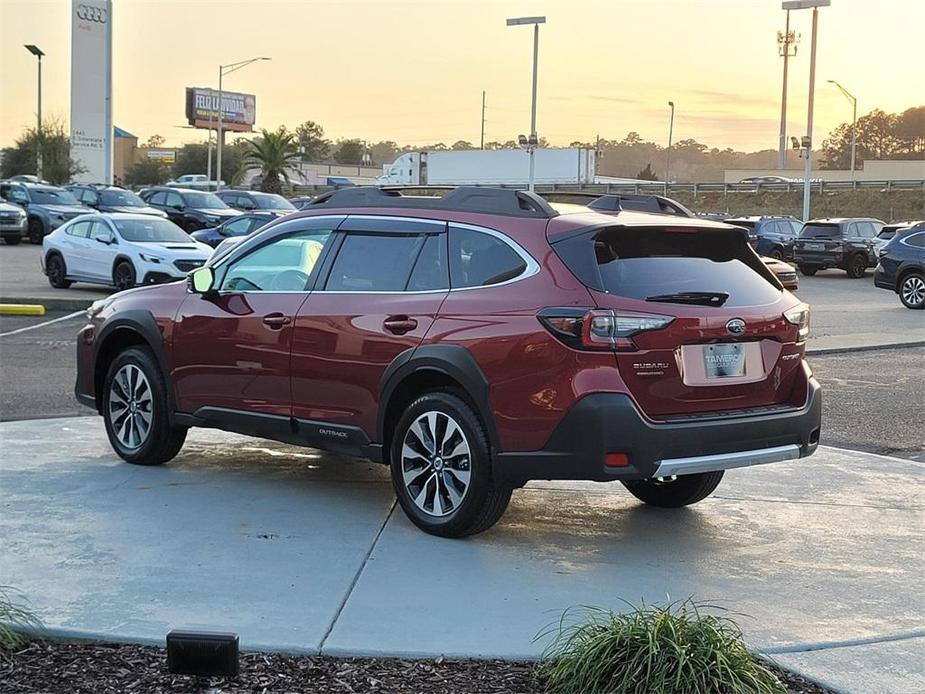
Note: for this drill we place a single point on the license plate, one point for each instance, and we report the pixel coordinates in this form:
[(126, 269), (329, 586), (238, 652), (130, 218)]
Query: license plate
[(724, 361), (815, 246)]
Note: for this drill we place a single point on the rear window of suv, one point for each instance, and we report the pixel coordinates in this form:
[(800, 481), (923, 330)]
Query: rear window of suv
[(703, 267), (814, 231)]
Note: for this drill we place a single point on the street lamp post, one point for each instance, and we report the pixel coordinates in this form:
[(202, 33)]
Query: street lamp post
[(785, 41), (668, 158), (535, 21), (808, 140), (854, 122), (37, 52), (222, 71)]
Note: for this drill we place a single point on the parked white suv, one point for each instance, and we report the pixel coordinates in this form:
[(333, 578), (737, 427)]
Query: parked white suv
[(195, 181)]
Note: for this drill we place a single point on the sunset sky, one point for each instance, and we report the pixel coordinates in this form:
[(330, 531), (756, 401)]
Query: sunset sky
[(414, 71)]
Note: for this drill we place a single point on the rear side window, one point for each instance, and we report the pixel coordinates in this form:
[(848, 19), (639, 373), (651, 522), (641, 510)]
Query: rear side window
[(917, 240), (81, 229), (478, 259), (713, 268), (375, 262), (814, 231)]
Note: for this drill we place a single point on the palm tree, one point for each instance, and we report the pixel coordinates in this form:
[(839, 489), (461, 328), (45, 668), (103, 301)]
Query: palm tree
[(274, 153)]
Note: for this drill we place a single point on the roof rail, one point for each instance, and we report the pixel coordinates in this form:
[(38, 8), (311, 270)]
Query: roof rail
[(502, 201), (616, 202)]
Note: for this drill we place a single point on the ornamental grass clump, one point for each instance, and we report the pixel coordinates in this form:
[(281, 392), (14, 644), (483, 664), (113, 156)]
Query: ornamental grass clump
[(674, 649), (13, 616)]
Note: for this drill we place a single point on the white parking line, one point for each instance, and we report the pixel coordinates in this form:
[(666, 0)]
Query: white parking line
[(43, 324)]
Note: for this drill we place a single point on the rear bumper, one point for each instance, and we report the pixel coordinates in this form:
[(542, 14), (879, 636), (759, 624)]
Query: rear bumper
[(604, 423), (884, 279)]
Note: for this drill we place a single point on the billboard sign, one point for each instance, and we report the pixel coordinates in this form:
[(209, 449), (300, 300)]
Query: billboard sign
[(91, 89), (238, 110)]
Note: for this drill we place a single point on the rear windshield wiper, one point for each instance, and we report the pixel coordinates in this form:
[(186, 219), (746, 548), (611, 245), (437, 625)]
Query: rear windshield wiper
[(697, 298)]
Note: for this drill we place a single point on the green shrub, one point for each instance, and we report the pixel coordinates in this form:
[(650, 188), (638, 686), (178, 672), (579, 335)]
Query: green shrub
[(13, 615), (677, 648)]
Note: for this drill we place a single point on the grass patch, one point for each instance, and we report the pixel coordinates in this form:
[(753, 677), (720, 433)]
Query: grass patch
[(676, 648), (13, 615)]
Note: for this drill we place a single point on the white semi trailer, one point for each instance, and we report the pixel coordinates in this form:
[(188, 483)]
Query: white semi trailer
[(489, 167)]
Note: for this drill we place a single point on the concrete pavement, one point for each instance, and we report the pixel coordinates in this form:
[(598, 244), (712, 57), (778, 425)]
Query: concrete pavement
[(298, 550)]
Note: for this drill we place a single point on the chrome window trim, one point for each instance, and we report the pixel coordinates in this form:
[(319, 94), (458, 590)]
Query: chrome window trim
[(905, 239), (533, 267)]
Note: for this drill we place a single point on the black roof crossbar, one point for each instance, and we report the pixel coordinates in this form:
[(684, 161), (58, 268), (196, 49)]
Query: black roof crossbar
[(501, 201)]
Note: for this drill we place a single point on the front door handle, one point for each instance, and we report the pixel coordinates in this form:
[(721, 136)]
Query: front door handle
[(275, 321), (399, 325)]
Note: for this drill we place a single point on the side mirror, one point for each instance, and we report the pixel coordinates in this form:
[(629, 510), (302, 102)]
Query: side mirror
[(200, 280), (105, 239), (178, 207)]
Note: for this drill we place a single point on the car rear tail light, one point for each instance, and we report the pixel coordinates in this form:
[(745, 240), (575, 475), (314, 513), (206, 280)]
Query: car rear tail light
[(799, 316), (600, 329)]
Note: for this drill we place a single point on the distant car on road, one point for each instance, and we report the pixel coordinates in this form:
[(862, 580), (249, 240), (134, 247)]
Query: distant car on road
[(301, 201), (246, 200), (783, 271), (47, 207), (120, 250), (113, 199), (769, 235), (768, 179), (13, 223), (845, 243), (234, 227), (190, 210), (195, 181), (902, 266)]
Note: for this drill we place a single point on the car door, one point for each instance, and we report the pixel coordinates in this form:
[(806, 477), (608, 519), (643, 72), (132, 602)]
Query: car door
[(174, 207), (381, 292), (158, 200), (74, 245), (102, 248), (231, 350)]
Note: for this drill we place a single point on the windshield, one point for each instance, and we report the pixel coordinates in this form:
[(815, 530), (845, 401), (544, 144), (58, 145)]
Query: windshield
[(204, 201), (271, 201), (52, 196), (814, 231), (121, 198), (153, 229)]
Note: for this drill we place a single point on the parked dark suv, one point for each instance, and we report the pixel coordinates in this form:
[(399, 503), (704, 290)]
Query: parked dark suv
[(189, 209), (112, 199), (235, 226), (847, 244), (247, 200), (770, 236), (902, 266), (47, 207), (472, 342)]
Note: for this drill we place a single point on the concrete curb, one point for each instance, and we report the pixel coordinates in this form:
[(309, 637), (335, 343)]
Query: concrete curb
[(864, 348)]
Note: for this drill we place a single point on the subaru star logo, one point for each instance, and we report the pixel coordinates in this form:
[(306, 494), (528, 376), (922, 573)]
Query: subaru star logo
[(736, 326)]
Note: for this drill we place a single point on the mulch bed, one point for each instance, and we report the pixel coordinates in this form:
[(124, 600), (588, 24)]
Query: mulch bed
[(50, 667)]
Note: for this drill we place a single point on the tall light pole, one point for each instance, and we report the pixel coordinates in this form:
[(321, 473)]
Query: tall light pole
[(222, 71), (668, 158), (854, 121), (37, 52), (808, 139), (785, 41), (535, 21)]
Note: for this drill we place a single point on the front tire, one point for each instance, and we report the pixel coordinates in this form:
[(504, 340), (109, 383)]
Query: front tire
[(36, 230), (57, 272), (809, 270), (123, 275), (442, 469), (857, 266), (135, 410), (777, 253), (12, 240), (674, 492), (912, 291)]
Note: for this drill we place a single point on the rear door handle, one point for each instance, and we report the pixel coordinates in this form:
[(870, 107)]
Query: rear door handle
[(399, 325), (276, 321)]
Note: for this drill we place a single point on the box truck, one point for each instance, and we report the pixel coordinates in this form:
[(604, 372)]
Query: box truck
[(489, 167)]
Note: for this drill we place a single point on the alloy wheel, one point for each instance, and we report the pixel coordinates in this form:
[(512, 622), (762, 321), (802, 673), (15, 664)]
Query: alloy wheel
[(913, 291), (123, 279), (55, 270), (131, 407), (435, 463)]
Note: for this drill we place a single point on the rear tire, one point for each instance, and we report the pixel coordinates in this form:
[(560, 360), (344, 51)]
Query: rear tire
[(683, 490), (442, 468), (123, 275), (56, 269), (135, 410), (36, 230), (777, 253), (808, 270), (12, 240), (912, 291), (857, 266)]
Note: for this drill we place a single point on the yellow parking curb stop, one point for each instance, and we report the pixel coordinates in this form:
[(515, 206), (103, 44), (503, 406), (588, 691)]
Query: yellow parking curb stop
[(22, 310)]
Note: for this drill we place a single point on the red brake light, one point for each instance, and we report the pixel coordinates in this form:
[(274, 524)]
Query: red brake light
[(599, 329), (616, 460)]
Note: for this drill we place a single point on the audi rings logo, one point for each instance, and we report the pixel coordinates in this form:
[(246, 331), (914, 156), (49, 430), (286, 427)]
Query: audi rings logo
[(91, 13)]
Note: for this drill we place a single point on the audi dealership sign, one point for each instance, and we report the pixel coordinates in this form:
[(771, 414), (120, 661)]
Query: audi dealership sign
[(238, 110), (91, 89)]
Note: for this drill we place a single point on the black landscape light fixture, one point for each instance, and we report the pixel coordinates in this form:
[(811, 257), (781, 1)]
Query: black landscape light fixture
[(202, 653)]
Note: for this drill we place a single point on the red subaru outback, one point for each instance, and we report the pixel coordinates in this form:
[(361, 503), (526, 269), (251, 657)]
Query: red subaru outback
[(472, 342)]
